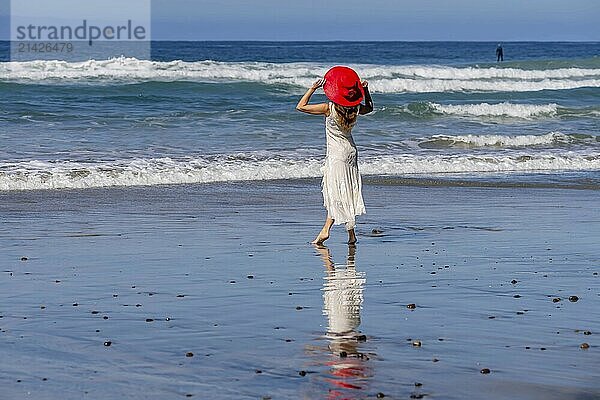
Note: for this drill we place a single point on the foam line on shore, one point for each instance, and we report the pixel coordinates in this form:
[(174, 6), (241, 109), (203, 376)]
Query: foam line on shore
[(39, 175)]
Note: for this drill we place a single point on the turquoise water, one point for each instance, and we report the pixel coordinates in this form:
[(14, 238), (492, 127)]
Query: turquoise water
[(223, 111)]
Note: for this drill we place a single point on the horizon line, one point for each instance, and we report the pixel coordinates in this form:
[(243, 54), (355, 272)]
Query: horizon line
[(333, 41)]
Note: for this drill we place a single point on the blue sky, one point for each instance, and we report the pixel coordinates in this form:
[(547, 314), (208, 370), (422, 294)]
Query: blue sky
[(477, 20), (502, 20)]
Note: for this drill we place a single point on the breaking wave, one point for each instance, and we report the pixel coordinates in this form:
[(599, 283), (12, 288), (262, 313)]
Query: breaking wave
[(473, 141), (40, 175), (382, 78), (525, 111)]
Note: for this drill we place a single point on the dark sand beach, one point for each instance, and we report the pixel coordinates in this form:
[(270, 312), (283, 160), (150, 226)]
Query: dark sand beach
[(212, 291)]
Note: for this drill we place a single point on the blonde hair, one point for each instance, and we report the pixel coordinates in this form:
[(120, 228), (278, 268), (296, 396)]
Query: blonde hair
[(346, 116)]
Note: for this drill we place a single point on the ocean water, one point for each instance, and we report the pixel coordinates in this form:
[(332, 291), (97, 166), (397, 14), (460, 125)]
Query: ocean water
[(203, 112)]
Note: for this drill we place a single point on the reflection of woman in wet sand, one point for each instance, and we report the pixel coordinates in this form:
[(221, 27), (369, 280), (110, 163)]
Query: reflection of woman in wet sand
[(342, 303), (342, 295)]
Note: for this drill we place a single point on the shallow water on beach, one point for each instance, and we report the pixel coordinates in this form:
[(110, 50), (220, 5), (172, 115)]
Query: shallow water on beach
[(225, 272)]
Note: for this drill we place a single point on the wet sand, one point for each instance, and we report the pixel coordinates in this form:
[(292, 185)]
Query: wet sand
[(212, 291)]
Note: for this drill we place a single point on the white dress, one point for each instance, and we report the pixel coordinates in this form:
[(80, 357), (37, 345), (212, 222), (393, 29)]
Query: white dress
[(342, 186)]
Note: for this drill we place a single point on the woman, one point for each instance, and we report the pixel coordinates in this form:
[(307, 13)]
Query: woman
[(341, 180)]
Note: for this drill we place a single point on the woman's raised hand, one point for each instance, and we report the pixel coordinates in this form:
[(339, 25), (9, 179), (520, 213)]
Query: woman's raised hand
[(318, 83), (316, 109)]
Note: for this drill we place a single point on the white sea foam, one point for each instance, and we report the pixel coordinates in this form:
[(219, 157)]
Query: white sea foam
[(383, 78), (524, 111), (32, 175), (471, 141), (401, 85), (410, 164)]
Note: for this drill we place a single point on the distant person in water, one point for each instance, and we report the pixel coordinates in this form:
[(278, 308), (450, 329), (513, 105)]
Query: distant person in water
[(499, 53), (342, 187)]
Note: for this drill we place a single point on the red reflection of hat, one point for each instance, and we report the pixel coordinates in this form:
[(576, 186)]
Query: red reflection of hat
[(343, 87)]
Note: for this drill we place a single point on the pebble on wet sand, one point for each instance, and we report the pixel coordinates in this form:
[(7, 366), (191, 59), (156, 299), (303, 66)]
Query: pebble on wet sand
[(584, 346), (302, 373), (149, 320), (418, 384), (573, 299), (556, 299), (416, 343), (189, 354), (24, 259), (411, 306), (107, 343), (485, 371), (380, 395)]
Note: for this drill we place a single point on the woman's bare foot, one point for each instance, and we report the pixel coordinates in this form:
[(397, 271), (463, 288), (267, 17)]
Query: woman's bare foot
[(321, 237), (351, 237), (324, 234)]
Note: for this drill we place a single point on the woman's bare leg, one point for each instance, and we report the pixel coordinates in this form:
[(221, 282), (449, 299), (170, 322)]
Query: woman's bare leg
[(324, 234), (351, 236)]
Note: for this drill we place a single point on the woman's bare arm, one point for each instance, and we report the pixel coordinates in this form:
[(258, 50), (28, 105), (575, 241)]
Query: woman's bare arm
[(315, 109), (368, 106)]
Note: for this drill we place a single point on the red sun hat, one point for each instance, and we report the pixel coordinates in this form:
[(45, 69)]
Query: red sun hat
[(343, 87)]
